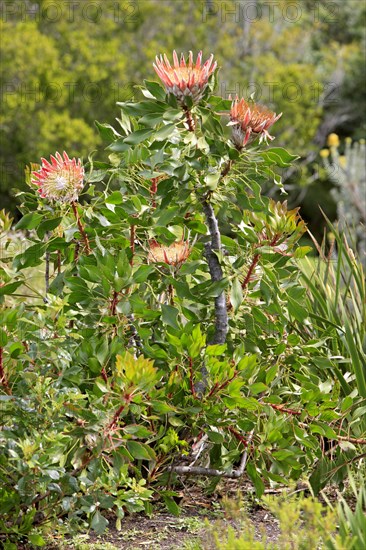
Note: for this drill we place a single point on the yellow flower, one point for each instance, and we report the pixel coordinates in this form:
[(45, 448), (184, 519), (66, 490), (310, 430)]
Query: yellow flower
[(342, 161), (333, 140), (324, 153)]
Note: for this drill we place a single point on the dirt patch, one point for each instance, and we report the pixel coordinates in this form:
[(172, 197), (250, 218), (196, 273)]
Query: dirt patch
[(167, 532), (164, 531)]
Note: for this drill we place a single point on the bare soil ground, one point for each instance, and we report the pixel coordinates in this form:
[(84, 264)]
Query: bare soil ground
[(164, 531)]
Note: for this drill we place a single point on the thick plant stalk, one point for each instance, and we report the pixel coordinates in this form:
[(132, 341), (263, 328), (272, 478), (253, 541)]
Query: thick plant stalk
[(190, 121), (202, 471), (81, 227), (221, 318)]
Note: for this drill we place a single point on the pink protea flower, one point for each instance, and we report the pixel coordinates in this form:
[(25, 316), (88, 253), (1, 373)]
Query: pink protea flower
[(185, 79), (250, 121), (174, 254), (60, 180)]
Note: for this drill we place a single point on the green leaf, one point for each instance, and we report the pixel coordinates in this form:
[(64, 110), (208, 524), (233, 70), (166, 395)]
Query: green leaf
[(302, 251), (256, 479), (169, 316), (282, 454), (216, 349), (31, 257), (346, 403), (142, 273), (257, 388), (140, 451), (106, 131), (102, 350), (320, 475), (10, 288), (99, 523), (154, 90), (236, 295), (279, 156), (114, 198), (212, 180), (171, 505), (164, 132), (29, 221), (196, 342), (137, 137), (48, 225), (138, 431), (296, 310), (215, 437), (3, 338), (36, 540)]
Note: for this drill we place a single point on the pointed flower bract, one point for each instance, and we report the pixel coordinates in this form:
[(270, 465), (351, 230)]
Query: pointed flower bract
[(60, 180), (249, 121), (174, 254), (185, 78)]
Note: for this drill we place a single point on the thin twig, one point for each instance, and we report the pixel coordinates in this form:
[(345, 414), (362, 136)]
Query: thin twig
[(357, 441)]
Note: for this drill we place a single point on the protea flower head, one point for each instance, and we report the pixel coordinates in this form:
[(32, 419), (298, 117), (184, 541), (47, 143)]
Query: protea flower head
[(60, 180), (174, 254), (249, 121), (185, 79)]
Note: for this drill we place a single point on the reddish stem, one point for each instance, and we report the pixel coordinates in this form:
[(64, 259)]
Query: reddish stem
[(190, 120), (250, 270), (171, 294), (227, 168), (3, 378), (274, 241), (255, 260), (218, 387), (118, 413), (81, 227), (238, 436), (76, 252), (114, 303), (153, 191), (281, 408), (103, 374)]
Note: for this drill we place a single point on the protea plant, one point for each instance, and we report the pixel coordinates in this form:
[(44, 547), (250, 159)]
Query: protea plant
[(185, 79), (60, 180), (250, 121), (173, 254)]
